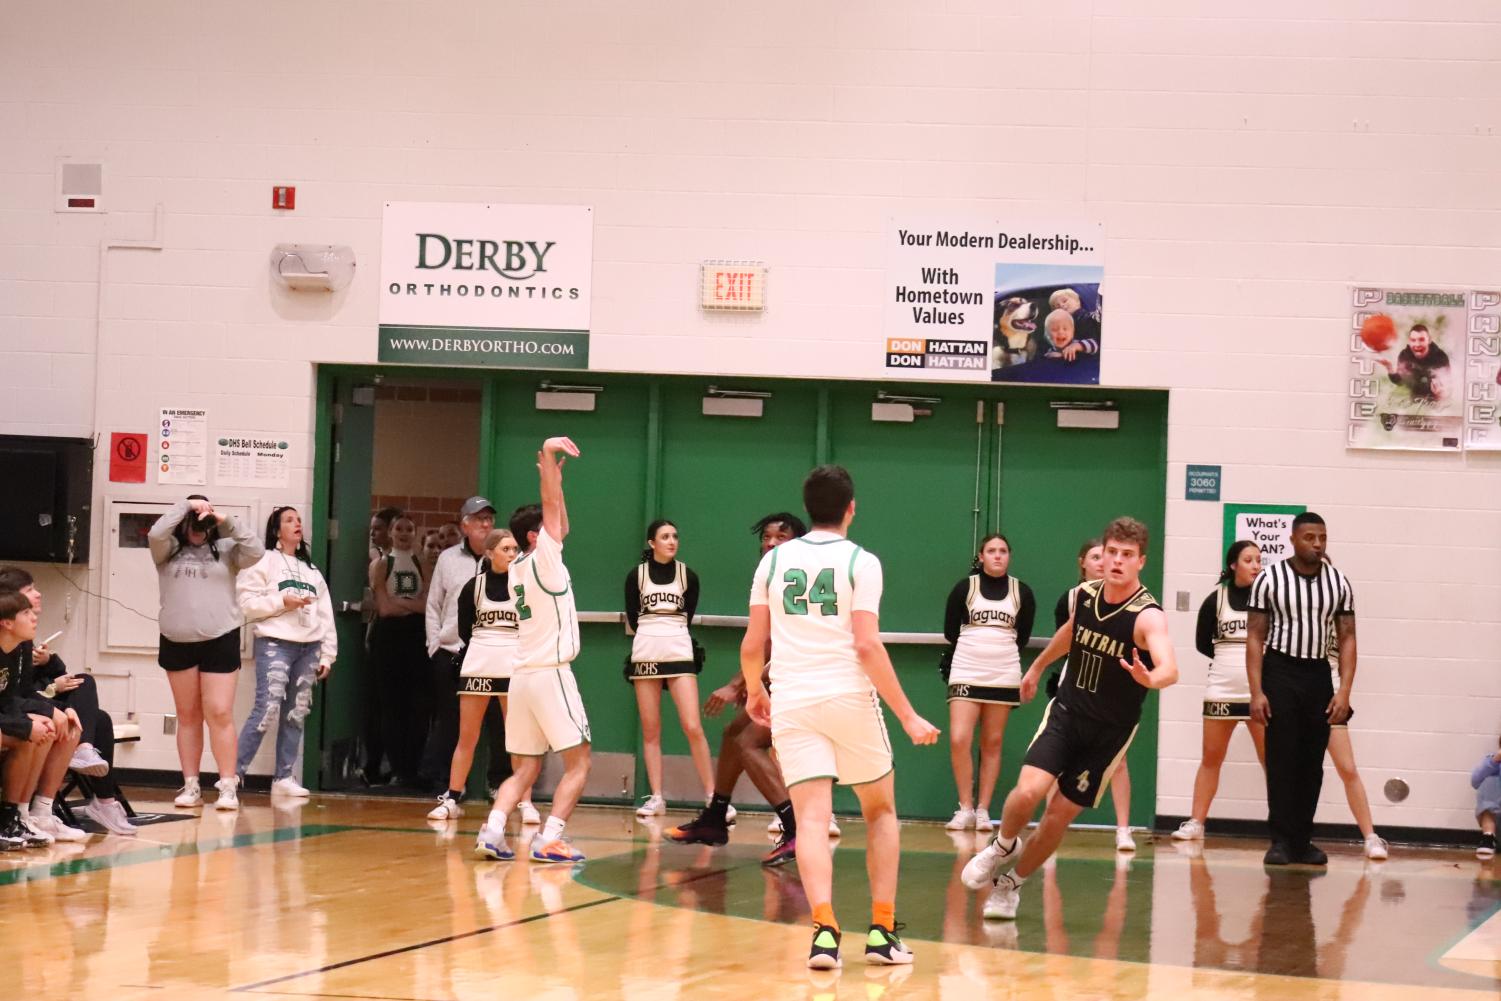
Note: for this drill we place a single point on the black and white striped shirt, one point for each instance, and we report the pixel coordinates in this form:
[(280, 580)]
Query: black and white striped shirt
[(1301, 609)]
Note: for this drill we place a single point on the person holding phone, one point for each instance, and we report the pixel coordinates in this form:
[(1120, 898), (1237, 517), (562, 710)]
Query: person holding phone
[(286, 599), (198, 551)]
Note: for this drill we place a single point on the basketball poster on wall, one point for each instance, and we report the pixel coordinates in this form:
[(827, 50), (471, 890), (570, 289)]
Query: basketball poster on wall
[(995, 300), (1406, 389), (1483, 373)]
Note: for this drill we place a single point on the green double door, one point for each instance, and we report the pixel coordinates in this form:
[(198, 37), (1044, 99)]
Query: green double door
[(981, 459)]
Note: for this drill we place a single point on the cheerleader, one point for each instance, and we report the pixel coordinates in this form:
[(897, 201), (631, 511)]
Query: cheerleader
[(988, 620), (488, 632), (1221, 636), (661, 595)]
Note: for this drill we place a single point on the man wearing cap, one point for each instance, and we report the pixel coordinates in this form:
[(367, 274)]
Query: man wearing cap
[(455, 569)]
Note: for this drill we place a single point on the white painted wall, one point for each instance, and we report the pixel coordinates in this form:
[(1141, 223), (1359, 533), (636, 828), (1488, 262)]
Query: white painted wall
[(1247, 165)]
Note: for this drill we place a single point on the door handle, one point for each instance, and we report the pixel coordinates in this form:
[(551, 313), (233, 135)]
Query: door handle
[(351, 606)]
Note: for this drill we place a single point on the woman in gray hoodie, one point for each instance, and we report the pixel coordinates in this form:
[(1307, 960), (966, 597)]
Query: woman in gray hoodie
[(198, 551)]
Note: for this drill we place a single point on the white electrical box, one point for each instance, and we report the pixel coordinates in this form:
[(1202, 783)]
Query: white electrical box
[(130, 573)]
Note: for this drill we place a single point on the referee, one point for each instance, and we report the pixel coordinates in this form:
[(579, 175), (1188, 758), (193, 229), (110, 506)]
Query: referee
[(1294, 607)]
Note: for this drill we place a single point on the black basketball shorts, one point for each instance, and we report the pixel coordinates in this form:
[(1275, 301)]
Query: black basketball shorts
[(1083, 753)]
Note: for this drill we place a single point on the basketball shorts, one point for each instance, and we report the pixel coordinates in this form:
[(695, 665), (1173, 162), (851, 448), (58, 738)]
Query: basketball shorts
[(545, 712), (1082, 753), (842, 738)]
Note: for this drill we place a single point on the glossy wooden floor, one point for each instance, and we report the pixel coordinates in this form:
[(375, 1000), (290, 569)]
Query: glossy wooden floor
[(363, 899)]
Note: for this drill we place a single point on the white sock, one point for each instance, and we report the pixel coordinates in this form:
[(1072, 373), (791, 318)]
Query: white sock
[(496, 822), (553, 828), (104, 800), (41, 805)]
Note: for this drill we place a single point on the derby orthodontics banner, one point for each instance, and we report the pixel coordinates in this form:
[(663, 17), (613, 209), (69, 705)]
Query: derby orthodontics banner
[(983, 300), (482, 285)]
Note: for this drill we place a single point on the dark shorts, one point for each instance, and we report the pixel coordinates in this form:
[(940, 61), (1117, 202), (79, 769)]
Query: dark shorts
[(981, 693), (216, 656), (1082, 753), (484, 686)]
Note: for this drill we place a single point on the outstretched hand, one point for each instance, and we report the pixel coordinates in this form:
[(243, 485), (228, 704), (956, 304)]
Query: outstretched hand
[(1138, 671)]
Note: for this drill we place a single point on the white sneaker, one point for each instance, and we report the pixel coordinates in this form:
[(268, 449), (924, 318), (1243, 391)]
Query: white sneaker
[(1003, 899), (229, 794), (1123, 840), (993, 860), (529, 814), (1375, 847), (289, 787), (33, 826), (775, 827), (963, 820), (110, 816), (1189, 830), (729, 814), (87, 761), (652, 806), (833, 828), (49, 826), (190, 795), (447, 809), (982, 820)]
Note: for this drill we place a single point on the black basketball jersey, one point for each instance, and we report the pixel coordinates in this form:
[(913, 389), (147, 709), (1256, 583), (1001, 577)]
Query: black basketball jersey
[(1094, 684)]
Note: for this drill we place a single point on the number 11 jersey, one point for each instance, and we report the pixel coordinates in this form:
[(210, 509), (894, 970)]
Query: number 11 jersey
[(1094, 684), (813, 586)]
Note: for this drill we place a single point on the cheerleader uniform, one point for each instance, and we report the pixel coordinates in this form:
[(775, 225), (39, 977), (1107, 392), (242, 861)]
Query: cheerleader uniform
[(1061, 613), (488, 628), (989, 620), (1221, 636), (660, 599)]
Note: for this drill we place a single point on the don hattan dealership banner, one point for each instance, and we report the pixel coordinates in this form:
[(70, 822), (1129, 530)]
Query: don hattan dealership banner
[(474, 284)]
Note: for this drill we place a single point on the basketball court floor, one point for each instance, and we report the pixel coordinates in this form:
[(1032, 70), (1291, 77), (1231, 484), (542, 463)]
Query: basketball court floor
[(364, 899)]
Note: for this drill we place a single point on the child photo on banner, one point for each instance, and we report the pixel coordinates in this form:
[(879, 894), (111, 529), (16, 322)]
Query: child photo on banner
[(1046, 324)]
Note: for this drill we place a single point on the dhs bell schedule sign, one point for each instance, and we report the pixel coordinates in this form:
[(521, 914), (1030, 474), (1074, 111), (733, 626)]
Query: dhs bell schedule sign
[(477, 284)]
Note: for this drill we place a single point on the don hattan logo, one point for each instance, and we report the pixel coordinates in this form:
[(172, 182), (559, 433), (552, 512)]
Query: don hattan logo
[(513, 259)]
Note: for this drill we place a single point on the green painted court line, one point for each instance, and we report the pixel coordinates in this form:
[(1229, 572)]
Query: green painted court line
[(72, 867)]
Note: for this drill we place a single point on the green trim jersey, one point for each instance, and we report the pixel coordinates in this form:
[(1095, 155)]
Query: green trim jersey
[(1094, 684), (403, 574), (546, 617), (812, 587)]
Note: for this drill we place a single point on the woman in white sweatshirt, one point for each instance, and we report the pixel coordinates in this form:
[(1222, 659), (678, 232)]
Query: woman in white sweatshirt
[(285, 599)]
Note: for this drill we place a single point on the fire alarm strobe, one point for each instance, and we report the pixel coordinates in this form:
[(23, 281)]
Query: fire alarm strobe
[(283, 197)]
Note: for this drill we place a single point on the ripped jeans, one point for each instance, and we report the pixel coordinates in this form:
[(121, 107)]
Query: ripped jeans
[(285, 674)]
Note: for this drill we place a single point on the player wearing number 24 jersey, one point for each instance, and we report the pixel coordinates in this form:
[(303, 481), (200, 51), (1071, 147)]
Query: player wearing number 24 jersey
[(818, 598)]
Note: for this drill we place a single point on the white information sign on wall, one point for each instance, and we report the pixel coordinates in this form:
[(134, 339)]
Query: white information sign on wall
[(479, 284), (995, 299), (182, 446), (248, 460)]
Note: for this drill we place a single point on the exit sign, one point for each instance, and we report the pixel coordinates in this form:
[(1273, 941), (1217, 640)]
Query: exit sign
[(732, 285)]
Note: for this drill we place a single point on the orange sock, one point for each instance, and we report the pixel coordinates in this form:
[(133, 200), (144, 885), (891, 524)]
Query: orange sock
[(823, 914), (883, 914)]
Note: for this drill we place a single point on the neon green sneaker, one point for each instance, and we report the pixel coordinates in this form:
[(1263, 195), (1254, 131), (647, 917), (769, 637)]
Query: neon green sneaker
[(825, 952), (884, 948)]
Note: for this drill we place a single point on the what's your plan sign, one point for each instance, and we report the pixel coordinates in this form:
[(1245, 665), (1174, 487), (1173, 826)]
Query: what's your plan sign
[(479, 284), (995, 300)]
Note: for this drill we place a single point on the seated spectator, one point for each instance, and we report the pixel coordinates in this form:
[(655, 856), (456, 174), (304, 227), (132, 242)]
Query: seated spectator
[(27, 732), (51, 680), (1485, 779)]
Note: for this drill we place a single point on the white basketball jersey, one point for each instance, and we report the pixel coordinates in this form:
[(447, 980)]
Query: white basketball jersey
[(986, 653), (494, 640), (662, 623), (813, 586), (547, 619)]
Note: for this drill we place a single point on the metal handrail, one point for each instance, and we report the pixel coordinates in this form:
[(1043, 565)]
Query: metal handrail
[(741, 621)]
